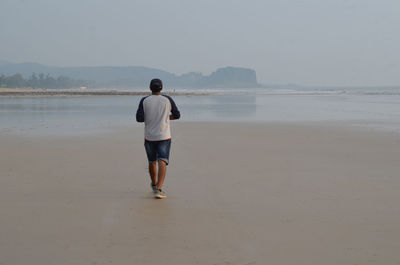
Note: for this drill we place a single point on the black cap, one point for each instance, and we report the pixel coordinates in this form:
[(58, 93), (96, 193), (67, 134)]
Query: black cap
[(156, 85)]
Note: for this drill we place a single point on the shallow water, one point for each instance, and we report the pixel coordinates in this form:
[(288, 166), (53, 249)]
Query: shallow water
[(76, 115)]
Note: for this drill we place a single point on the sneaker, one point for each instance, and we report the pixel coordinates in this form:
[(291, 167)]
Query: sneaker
[(159, 194), (153, 187)]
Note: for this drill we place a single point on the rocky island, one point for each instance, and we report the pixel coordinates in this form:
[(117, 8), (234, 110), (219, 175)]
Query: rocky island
[(134, 76)]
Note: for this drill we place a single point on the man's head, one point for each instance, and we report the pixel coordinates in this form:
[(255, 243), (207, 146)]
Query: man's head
[(155, 85)]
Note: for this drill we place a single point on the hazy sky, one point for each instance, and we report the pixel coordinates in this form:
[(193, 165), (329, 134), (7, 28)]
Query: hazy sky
[(311, 42)]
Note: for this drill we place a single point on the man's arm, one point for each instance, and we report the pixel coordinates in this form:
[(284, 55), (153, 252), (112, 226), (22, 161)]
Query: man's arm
[(174, 109), (140, 112)]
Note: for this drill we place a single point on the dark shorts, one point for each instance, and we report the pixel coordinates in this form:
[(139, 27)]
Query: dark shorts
[(157, 150)]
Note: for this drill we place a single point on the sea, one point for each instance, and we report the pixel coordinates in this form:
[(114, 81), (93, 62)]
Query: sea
[(370, 108)]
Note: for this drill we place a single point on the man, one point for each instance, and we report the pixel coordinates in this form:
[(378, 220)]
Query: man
[(156, 111)]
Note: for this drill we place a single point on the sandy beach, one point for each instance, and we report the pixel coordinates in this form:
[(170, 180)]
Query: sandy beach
[(238, 193)]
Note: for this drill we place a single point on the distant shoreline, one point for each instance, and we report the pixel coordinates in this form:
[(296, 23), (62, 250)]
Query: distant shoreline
[(26, 92)]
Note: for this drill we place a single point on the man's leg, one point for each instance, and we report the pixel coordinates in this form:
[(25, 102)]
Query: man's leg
[(151, 152), (153, 172), (162, 170)]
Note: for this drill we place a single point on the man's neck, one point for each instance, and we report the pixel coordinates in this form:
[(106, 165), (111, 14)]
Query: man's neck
[(156, 93)]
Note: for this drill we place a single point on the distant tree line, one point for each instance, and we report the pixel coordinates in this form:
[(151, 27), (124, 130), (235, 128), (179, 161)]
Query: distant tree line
[(40, 81)]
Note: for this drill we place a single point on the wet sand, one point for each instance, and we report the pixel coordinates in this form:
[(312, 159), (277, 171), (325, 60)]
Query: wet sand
[(237, 194)]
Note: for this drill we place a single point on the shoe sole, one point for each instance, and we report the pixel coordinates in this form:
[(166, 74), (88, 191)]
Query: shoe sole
[(160, 196)]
